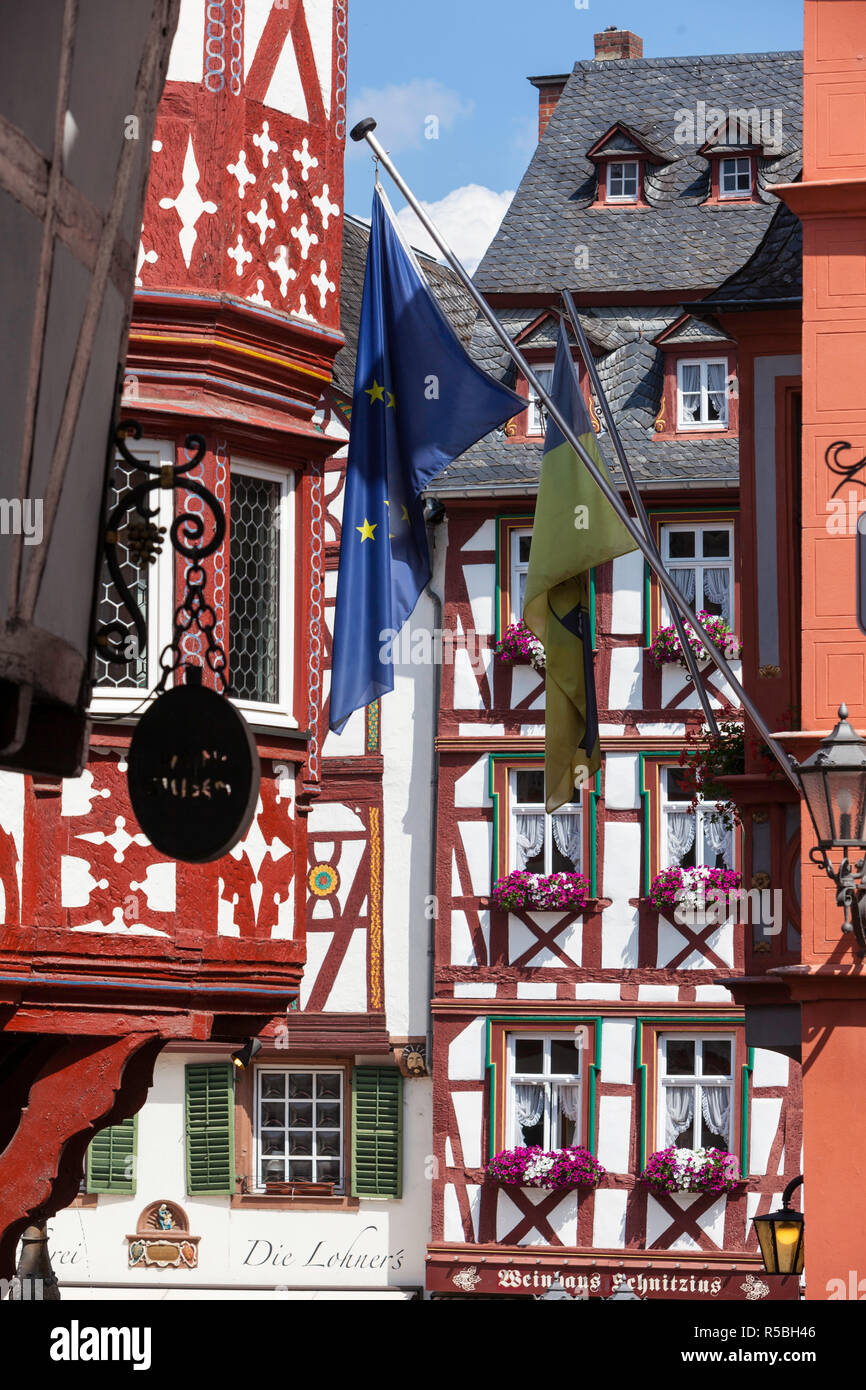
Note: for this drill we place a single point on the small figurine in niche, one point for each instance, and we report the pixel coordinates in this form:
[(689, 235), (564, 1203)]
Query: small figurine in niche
[(164, 1219)]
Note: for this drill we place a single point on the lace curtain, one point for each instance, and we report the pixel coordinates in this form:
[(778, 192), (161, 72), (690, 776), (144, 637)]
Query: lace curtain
[(717, 391), (681, 834), (569, 1100), (685, 582), (716, 1110), (690, 392), (530, 835), (529, 1103), (719, 838), (679, 1109), (566, 836), (717, 589)]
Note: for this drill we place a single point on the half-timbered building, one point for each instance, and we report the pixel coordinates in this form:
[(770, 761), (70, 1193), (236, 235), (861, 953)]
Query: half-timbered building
[(613, 1027)]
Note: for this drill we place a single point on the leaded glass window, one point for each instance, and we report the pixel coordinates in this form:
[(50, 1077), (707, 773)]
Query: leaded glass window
[(254, 588)]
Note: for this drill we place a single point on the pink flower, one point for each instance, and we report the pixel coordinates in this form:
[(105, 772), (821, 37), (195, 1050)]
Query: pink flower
[(518, 644), (665, 648), (544, 892), (537, 1167)]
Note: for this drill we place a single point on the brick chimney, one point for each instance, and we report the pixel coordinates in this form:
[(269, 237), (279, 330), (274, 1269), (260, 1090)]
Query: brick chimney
[(617, 43), (550, 89)]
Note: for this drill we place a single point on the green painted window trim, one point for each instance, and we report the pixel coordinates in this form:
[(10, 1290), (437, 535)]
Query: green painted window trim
[(123, 1137), (377, 1145), (592, 811), (670, 755), (593, 1069), (204, 1136), (699, 1023)]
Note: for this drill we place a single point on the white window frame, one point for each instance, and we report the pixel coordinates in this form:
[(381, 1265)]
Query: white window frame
[(535, 422), (735, 160), (664, 1081), (549, 1080), (704, 808), (123, 700), (258, 1157), (279, 713), (698, 563), (704, 423), (623, 165), (515, 807), (517, 569)]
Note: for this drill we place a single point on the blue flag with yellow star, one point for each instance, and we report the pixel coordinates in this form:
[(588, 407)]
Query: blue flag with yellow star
[(419, 402)]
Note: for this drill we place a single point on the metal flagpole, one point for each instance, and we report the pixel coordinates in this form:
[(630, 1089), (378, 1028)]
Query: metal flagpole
[(637, 502), (364, 131)]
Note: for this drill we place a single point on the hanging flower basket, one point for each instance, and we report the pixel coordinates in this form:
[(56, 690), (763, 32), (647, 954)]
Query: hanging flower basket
[(519, 647), (543, 892), (537, 1167), (695, 890), (692, 1170), (665, 648)]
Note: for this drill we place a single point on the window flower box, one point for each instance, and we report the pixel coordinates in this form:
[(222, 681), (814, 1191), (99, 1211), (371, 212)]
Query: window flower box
[(665, 648), (519, 647), (537, 1167), (690, 893), (542, 892), (692, 1170)]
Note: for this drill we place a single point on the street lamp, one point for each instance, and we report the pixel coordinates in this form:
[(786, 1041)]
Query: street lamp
[(834, 785), (780, 1236)]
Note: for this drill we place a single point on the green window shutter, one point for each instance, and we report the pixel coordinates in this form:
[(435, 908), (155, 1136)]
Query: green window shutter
[(111, 1158), (377, 1132), (210, 1128)]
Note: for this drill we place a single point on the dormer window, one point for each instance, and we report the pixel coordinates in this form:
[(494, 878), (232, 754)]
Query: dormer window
[(623, 181), (536, 423), (702, 397), (735, 177)]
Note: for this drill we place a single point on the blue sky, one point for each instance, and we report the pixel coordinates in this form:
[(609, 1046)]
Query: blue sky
[(467, 62)]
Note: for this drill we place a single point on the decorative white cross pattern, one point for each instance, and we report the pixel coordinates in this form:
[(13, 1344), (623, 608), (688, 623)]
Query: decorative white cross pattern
[(325, 285), (302, 312), (144, 257), (239, 254), (305, 237), (304, 158), (265, 144), (241, 172), (259, 297), (284, 190), (188, 204), (281, 268), (327, 209), (261, 220)]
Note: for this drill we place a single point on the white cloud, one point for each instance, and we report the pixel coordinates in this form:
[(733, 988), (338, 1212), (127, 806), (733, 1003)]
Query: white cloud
[(468, 218), (403, 113)]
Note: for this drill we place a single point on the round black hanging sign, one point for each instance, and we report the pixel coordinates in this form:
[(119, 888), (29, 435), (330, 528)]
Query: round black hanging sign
[(193, 774)]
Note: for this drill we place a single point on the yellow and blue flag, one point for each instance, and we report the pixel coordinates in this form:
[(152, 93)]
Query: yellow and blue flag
[(419, 402), (574, 529)]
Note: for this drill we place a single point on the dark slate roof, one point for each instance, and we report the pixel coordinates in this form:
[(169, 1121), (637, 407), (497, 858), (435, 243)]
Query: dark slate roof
[(454, 299), (774, 272), (677, 243), (631, 376)]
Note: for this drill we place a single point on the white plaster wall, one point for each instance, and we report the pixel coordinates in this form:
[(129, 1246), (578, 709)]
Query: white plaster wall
[(239, 1246), (617, 1050), (467, 1052), (614, 1132), (627, 602), (608, 1227), (626, 678), (621, 791)]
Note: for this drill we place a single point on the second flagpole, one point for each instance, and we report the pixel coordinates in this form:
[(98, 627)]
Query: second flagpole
[(364, 131)]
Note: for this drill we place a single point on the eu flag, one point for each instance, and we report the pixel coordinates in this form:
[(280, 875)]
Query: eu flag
[(419, 402)]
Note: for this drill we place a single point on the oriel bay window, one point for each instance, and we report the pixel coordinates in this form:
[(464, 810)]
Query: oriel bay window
[(542, 843), (544, 1090), (696, 1091), (260, 630)]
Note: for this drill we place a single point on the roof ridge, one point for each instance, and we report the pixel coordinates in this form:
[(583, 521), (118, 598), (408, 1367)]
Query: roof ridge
[(677, 60)]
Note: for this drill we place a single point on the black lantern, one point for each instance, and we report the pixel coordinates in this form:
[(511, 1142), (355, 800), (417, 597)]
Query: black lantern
[(834, 785), (780, 1236)]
